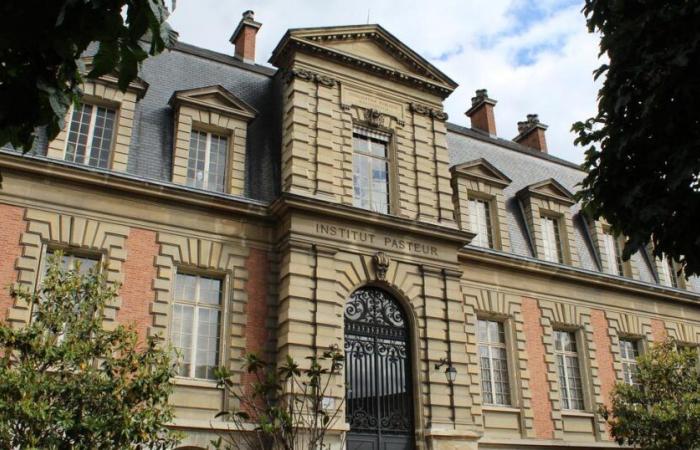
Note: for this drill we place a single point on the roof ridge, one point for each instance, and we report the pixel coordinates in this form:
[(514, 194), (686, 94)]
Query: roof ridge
[(223, 58), (453, 127)]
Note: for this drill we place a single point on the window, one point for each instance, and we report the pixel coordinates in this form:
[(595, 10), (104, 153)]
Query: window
[(73, 262), (669, 276), (480, 221), (206, 163), (629, 351), (90, 135), (195, 325), (612, 250), (370, 165), (569, 372), (495, 386), (551, 240)]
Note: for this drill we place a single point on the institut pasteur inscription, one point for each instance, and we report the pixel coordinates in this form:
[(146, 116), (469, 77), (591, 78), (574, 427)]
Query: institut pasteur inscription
[(352, 235)]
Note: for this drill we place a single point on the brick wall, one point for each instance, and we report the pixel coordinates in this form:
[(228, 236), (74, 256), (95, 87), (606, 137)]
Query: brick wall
[(139, 272), (658, 330), (11, 227), (606, 369), (541, 405), (256, 333)]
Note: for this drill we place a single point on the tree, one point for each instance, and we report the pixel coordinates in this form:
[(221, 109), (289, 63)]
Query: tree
[(40, 46), (285, 407), (661, 411), (67, 383), (643, 146)]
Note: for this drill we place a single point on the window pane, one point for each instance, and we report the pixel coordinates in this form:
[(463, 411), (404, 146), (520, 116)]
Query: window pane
[(102, 137), (76, 144), (210, 291), (185, 287), (494, 362), (181, 336), (568, 370), (550, 239), (207, 343), (217, 162), (370, 174), (196, 159)]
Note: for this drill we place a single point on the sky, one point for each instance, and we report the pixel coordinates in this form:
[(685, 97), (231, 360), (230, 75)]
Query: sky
[(532, 56)]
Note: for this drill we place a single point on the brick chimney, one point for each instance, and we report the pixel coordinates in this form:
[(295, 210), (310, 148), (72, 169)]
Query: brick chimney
[(481, 112), (531, 133), (243, 38)]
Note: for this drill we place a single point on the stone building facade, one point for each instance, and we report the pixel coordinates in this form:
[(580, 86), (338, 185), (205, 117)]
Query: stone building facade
[(329, 201)]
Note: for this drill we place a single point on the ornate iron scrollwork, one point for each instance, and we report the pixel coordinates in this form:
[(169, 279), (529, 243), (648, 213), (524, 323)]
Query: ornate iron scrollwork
[(377, 355)]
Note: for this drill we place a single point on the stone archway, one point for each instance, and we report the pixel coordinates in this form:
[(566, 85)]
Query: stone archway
[(379, 389)]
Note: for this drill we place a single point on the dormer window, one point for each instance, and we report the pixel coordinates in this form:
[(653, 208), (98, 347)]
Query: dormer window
[(370, 165), (91, 134), (613, 252), (206, 164), (551, 239), (669, 275), (546, 206), (480, 222)]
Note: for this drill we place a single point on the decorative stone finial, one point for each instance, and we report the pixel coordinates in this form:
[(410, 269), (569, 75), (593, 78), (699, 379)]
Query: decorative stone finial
[(381, 264)]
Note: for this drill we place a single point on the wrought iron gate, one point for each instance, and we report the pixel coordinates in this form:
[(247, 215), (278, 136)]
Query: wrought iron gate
[(379, 396)]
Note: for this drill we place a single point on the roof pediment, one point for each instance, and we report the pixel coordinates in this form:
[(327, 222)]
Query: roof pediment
[(370, 48), (482, 170), (549, 189), (215, 98)]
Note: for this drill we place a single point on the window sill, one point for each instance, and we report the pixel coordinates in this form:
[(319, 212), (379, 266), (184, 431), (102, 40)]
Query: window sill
[(575, 413), (498, 408), (194, 382)]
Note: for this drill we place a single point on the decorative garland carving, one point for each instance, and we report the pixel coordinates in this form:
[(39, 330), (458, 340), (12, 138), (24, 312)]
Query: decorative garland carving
[(423, 110), (308, 75)]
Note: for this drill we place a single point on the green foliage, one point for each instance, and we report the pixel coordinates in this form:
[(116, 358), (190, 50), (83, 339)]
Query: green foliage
[(283, 407), (662, 411), (40, 44), (67, 383), (643, 146)]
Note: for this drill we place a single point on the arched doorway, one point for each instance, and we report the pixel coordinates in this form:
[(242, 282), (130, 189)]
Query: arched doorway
[(379, 391)]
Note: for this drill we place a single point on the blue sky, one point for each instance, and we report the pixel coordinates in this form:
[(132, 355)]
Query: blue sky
[(532, 56)]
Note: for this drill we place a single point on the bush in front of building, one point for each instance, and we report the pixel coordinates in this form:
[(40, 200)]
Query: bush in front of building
[(661, 409), (284, 406), (67, 382)]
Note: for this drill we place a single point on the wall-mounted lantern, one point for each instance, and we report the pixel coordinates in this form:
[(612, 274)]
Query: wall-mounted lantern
[(450, 371)]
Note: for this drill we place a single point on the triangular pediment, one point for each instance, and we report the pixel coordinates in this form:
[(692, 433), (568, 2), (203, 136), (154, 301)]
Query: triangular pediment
[(482, 170), (368, 47), (214, 97), (550, 189)]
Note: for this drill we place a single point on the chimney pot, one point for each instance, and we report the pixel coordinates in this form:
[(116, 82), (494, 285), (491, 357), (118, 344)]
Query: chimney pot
[(243, 38), (531, 133), (481, 112)]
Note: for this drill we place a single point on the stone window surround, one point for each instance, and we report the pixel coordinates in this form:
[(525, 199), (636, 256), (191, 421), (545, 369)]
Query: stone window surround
[(569, 317), (488, 186), (627, 326), (494, 305), (104, 92), (206, 257), (659, 269), (537, 202), (48, 229), (597, 229), (211, 109)]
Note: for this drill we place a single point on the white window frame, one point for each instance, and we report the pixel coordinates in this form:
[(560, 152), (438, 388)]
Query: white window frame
[(480, 221), (91, 132), (629, 364), (564, 384), (551, 239), (490, 346), (668, 272), (207, 157), (195, 321), (386, 139)]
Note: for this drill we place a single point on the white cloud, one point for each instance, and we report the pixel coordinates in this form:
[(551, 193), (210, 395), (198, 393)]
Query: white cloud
[(478, 44)]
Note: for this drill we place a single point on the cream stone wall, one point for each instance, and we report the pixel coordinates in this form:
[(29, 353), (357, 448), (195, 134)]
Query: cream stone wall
[(322, 104)]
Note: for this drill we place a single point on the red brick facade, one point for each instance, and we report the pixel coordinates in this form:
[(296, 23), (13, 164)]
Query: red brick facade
[(139, 273), (541, 406), (603, 345), (658, 330), (12, 225)]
